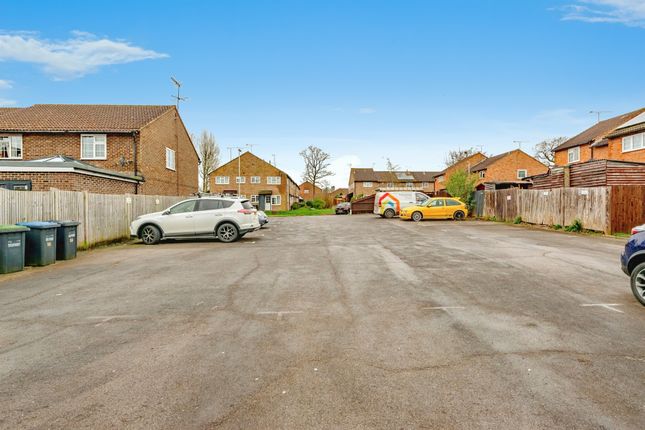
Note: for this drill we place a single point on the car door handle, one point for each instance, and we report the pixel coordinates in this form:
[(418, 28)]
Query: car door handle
[(189, 216)]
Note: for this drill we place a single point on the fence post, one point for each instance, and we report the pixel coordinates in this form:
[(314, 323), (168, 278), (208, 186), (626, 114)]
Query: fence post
[(608, 208), (86, 217)]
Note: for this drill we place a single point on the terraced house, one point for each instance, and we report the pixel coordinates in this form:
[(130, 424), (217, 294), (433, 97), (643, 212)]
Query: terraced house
[(365, 181), (111, 149), (268, 187)]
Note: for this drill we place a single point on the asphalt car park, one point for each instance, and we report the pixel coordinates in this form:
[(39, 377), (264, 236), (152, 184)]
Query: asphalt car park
[(329, 322)]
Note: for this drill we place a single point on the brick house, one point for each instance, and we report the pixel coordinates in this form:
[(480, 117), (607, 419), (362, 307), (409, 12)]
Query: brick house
[(604, 141), (268, 187), (366, 181), (441, 178), (507, 170), (309, 191), (98, 148)]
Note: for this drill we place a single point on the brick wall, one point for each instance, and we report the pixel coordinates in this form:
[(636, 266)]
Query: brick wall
[(562, 157), (41, 145), (250, 165), (505, 169), (615, 152), (167, 131), (43, 181), (465, 164)]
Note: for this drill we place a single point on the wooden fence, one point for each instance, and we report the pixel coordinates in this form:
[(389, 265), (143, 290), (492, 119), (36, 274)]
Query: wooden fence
[(103, 217), (614, 209)]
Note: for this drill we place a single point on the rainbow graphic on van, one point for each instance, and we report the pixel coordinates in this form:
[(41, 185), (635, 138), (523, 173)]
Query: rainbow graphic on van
[(387, 200)]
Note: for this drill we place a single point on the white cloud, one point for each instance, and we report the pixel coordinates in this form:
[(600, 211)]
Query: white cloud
[(7, 102), (5, 85), (366, 110), (83, 53), (627, 12)]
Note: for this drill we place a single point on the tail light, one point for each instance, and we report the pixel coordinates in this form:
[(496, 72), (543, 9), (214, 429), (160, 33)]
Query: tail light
[(635, 230), (246, 211)]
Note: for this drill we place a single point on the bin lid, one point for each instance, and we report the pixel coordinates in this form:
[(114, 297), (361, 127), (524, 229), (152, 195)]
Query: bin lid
[(66, 223), (39, 224), (8, 228)]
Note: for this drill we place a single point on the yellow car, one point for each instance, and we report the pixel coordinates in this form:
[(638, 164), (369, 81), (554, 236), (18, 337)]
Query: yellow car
[(436, 208)]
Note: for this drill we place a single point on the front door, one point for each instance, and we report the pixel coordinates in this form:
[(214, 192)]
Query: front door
[(267, 202)]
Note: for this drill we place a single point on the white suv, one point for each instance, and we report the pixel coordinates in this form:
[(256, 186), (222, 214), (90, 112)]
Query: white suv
[(226, 219)]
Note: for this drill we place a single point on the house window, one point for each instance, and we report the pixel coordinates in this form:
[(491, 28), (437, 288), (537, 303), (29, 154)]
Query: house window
[(255, 179), (274, 180), (440, 178), (222, 180), (367, 184), (425, 184), (276, 200), (170, 159), (409, 185), (390, 185), (634, 143), (240, 179), (521, 173), (11, 146), (574, 154), (306, 191), (254, 199), (93, 147), (482, 174)]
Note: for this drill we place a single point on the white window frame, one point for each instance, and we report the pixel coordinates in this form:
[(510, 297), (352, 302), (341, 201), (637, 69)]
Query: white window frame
[(440, 178), (482, 174), (631, 146), (222, 180), (425, 184), (368, 184), (255, 198), (526, 173), (171, 161), (256, 180), (240, 179), (575, 150), (94, 144), (274, 180), (276, 200), (13, 141), (409, 185), (306, 191)]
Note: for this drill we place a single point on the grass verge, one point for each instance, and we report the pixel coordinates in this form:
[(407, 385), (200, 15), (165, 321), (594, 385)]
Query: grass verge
[(302, 212)]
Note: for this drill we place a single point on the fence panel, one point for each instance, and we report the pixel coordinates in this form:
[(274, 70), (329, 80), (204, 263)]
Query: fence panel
[(103, 217), (589, 205), (627, 207)]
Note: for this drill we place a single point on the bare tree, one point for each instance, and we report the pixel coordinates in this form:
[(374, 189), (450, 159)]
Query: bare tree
[(209, 155), (391, 170), (544, 150), (316, 166), (455, 156)]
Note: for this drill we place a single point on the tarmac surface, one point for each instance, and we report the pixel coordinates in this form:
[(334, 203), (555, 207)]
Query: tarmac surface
[(329, 322)]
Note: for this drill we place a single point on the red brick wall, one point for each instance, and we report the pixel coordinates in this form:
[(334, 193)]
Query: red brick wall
[(615, 152), (562, 157), (167, 131), (41, 145), (505, 169), (69, 181)]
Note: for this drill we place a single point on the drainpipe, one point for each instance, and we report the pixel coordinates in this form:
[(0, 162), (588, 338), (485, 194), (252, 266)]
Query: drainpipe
[(136, 163)]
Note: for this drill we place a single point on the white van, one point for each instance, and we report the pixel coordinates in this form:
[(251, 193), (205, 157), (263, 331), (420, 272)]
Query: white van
[(389, 203)]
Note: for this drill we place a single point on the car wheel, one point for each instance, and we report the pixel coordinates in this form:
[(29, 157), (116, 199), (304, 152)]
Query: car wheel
[(150, 235), (459, 215), (638, 283), (389, 213), (417, 216), (227, 232)]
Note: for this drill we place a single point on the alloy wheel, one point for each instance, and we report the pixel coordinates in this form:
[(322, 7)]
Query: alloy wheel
[(639, 284), (226, 232), (148, 235)]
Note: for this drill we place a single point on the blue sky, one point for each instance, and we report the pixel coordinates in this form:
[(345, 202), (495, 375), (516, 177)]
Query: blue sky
[(364, 80)]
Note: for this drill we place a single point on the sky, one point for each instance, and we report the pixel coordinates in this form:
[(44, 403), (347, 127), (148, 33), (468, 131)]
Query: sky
[(363, 80)]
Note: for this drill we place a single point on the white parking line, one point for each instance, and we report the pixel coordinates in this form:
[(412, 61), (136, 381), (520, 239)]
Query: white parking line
[(443, 308), (609, 306)]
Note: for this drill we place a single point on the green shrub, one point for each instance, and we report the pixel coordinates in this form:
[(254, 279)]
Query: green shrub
[(309, 203), (296, 206), (493, 218), (576, 226), (319, 204), (517, 220), (557, 227)]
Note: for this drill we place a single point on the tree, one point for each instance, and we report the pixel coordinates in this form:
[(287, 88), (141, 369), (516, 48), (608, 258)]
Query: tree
[(544, 150), (316, 166), (209, 155), (391, 168), (455, 156), (461, 184)]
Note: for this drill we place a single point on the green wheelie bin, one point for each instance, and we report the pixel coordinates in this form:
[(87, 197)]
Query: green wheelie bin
[(41, 243), (12, 248), (66, 240)]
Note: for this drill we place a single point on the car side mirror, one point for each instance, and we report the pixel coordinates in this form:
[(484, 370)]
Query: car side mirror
[(165, 213)]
